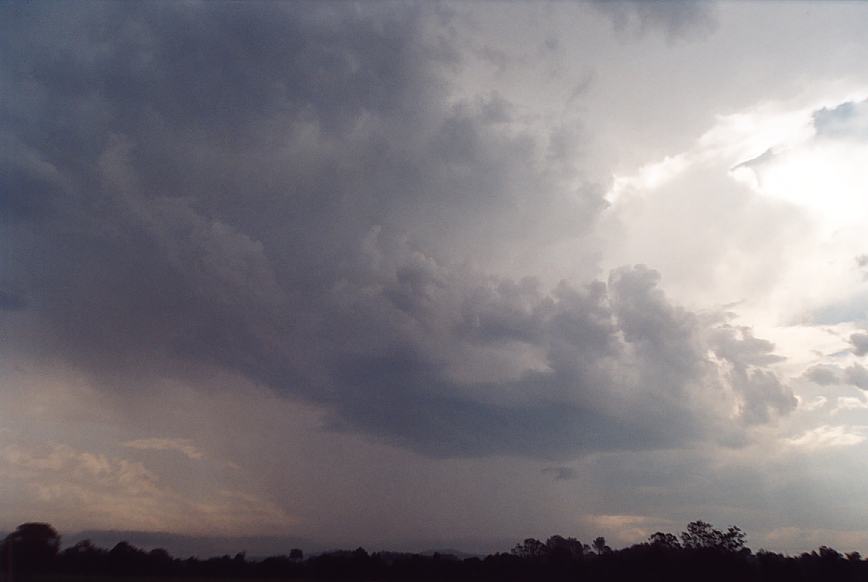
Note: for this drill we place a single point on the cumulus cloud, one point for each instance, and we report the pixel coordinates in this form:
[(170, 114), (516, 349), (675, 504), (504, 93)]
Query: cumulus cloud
[(608, 365), (824, 374), (319, 215), (827, 374)]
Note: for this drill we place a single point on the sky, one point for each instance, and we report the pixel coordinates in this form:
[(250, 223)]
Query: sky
[(434, 274)]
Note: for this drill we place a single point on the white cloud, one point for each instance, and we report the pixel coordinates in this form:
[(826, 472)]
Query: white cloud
[(849, 403), (815, 404), (827, 436)]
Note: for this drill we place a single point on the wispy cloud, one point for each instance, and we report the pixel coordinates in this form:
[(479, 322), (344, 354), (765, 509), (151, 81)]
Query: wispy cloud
[(827, 436), (74, 486), (849, 403), (183, 446)]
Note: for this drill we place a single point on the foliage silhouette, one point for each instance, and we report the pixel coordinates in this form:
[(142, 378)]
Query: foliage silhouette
[(32, 547), (664, 540), (703, 553), (599, 545), (701, 535)]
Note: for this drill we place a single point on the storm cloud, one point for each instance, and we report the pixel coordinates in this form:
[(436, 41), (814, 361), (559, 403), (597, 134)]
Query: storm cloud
[(303, 198)]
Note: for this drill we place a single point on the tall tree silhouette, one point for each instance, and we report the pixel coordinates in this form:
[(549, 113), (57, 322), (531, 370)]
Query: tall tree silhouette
[(30, 548)]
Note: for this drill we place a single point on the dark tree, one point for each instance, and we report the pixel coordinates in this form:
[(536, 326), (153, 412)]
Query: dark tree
[(702, 535), (84, 557), (31, 547), (664, 540), (600, 546), (560, 548), (707, 554), (530, 549)]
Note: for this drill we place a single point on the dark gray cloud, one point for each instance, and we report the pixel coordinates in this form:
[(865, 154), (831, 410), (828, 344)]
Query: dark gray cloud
[(675, 18), (298, 197), (857, 375), (827, 375), (619, 366), (824, 375), (860, 343)]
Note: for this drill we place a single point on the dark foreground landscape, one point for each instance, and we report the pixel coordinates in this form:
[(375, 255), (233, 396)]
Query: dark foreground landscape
[(32, 553)]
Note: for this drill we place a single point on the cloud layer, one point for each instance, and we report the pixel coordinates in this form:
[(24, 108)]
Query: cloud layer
[(312, 210)]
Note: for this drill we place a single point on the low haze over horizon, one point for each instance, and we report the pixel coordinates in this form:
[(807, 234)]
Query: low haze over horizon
[(426, 275)]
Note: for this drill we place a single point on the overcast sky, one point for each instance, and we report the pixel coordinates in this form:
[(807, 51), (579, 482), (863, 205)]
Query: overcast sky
[(416, 275)]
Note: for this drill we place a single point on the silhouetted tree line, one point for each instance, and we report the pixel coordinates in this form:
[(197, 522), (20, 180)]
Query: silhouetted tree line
[(32, 552)]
